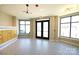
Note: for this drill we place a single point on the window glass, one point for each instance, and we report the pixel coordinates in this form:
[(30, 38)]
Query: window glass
[(22, 29), (22, 22), (75, 18), (27, 22), (75, 30), (45, 30), (65, 27), (27, 28), (39, 29), (65, 20), (65, 30)]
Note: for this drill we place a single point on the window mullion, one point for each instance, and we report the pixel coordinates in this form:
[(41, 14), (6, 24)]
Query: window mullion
[(60, 28), (70, 25), (25, 27)]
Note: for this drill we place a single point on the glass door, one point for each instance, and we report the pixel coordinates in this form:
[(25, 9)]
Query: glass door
[(45, 29), (42, 29), (39, 31)]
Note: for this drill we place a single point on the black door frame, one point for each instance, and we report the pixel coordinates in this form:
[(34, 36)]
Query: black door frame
[(42, 29)]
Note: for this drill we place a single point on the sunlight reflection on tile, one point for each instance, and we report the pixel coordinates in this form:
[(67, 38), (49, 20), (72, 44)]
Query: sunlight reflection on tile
[(45, 44), (25, 43), (38, 44)]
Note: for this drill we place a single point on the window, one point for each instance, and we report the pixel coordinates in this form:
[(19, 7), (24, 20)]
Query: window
[(27, 26), (75, 27), (69, 27), (65, 27), (24, 27), (75, 30), (75, 18), (65, 20)]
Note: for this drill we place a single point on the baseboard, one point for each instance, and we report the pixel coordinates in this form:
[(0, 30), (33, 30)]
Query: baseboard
[(5, 44)]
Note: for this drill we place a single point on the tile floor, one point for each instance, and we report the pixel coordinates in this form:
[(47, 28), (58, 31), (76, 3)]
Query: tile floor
[(39, 47)]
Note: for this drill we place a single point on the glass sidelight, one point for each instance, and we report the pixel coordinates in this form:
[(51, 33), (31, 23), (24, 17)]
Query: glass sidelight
[(42, 29)]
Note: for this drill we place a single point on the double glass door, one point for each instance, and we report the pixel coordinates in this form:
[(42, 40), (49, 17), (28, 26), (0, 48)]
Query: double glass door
[(42, 29)]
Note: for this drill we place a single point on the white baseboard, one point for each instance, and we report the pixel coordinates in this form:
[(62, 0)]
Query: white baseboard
[(5, 44)]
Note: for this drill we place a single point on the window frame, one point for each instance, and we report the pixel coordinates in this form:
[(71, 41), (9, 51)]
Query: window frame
[(70, 26), (25, 26), (60, 27)]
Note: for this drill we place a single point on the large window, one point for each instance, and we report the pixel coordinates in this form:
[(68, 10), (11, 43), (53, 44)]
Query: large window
[(24, 27), (69, 26), (75, 27), (65, 27)]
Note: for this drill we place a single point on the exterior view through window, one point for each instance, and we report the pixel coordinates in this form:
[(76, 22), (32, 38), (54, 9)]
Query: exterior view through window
[(69, 26), (24, 27)]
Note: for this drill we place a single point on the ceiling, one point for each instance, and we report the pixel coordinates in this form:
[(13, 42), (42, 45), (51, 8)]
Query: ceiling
[(42, 10)]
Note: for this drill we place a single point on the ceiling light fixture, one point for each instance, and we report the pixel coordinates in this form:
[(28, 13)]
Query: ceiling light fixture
[(27, 11)]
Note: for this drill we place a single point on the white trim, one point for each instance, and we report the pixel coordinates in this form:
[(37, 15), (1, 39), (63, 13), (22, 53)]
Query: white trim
[(7, 28), (42, 19), (2, 46)]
